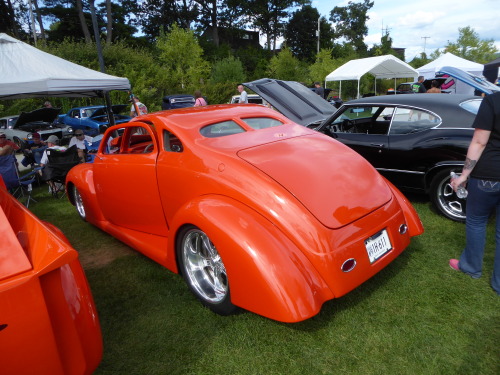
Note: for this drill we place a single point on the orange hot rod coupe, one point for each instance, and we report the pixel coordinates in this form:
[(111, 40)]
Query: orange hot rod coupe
[(48, 320), (252, 209)]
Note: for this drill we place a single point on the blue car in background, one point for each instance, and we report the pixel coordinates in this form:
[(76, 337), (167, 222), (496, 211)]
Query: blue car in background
[(90, 119)]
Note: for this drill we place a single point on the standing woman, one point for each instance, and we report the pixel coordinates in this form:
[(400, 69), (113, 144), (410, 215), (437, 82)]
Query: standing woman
[(200, 100), (482, 164)]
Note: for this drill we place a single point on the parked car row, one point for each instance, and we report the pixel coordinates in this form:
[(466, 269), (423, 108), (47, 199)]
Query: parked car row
[(20, 129)]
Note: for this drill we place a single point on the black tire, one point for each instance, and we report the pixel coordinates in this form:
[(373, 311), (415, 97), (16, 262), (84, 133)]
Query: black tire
[(445, 199), (203, 270), (78, 201)]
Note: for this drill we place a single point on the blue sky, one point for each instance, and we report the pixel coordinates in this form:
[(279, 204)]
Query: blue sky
[(437, 20)]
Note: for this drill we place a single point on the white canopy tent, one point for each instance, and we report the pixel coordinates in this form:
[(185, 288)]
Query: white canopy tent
[(26, 71), (387, 66), (448, 59)]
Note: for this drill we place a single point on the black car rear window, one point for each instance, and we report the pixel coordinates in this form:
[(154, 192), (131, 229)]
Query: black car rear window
[(472, 105)]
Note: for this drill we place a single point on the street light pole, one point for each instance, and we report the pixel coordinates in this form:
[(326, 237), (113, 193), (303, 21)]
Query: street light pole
[(317, 32)]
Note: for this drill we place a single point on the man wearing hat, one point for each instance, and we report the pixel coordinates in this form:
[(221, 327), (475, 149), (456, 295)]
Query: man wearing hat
[(6, 146), (52, 143), (33, 152)]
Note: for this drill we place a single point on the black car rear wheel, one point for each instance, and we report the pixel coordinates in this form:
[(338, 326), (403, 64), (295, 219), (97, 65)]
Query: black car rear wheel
[(445, 199)]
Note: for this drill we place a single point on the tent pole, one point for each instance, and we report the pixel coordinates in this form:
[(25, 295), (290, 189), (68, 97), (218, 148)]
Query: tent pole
[(375, 86), (109, 107), (358, 89), (340, 90)]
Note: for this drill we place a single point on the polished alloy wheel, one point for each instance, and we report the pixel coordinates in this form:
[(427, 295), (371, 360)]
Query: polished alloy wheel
[(446, 199), (79, 203), (203, 267)]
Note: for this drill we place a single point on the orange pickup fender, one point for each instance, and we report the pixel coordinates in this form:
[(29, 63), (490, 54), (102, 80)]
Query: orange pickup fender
[(267, 273)]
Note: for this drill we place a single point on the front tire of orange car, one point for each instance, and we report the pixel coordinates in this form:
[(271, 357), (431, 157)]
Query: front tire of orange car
[(203, 270), (80, 208)]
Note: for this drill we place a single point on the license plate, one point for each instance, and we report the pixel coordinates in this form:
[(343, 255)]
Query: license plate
[(377, 245)]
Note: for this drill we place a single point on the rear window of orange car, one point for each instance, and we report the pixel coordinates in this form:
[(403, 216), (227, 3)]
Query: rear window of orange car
[(261, 122), (221, 129)]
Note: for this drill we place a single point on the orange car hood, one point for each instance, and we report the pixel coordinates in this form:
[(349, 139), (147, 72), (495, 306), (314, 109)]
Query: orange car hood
[(333, 182)]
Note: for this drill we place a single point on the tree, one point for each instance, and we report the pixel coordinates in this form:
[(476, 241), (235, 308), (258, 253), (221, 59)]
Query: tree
[(385, 47), (158, 14), (268, 16), (350, 23), (229, 69), (300, 33), (83, 21), (324, 65), (470, 47), (181, 55), (286, 67)]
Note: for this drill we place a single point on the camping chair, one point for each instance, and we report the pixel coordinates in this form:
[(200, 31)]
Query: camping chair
[(58, 165), (18, 186)]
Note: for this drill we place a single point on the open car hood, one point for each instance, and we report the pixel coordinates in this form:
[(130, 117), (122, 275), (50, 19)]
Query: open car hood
[(42, 114), (478, 82), (117, 108), (294, 100)]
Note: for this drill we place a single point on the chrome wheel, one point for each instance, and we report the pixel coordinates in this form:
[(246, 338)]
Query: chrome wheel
[(203, 267), (445, 199), (79, 203)]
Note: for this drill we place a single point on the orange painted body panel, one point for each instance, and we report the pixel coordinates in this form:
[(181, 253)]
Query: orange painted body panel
[(285, 206), (48, 320)]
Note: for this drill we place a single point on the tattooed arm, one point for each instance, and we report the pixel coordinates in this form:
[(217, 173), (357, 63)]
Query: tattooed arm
[(476, 147)]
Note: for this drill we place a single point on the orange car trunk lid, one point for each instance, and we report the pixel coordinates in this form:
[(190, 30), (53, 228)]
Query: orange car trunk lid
[(333, 182)]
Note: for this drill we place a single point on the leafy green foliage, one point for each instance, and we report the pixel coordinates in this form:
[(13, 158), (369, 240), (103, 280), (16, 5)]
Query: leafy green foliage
[(287, 67), (471, 47), (301, 33), (181, 56), (228, 70), (350, 23)]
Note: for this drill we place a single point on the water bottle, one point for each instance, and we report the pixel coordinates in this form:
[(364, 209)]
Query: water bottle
[(461, 190)]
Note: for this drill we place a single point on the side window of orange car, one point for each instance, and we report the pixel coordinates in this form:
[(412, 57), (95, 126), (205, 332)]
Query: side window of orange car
[(171, 142)]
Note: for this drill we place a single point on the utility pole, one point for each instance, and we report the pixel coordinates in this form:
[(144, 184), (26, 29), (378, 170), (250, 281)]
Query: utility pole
[(317, 32), (425, 42)]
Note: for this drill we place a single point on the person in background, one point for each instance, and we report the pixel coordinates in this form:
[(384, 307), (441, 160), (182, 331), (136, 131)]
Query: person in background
[(33, 152), (82, 143), (143, 110), (319, 90), (434, 88), (47, 104), (199, 100), (418, 87), (4, 142), (52, 143), (243, 94), (482, 165)]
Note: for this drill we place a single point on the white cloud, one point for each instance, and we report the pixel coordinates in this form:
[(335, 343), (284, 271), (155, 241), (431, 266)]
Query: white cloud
[(409, 22)]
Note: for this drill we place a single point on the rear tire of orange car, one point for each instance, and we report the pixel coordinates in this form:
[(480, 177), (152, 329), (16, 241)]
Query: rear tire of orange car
[(80, 208), (203, 270)]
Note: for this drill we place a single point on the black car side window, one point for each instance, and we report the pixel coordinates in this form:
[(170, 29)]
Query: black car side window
[(410, 120)]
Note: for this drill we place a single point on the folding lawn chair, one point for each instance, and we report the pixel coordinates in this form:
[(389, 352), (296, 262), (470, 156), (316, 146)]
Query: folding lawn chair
[(19, 186), (58, 165)]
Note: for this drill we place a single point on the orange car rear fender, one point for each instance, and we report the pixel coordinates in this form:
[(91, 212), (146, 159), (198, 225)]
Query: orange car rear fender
[(267, 273), (415, 226)]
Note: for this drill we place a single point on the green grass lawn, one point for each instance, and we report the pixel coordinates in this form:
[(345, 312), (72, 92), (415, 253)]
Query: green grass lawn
[(417, 316)]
